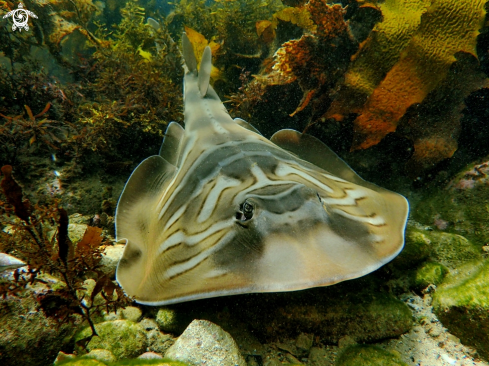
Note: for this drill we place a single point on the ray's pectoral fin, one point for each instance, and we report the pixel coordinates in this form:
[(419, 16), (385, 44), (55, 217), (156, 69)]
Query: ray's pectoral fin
[(314, 151), (170, 148), (135, 211), (246, 125), (311, 149), (365, 218)]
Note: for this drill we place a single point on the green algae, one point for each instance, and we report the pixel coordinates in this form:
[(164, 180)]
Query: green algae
[(365, 355), (125, 339), (134, 362), (82, 362), (463, 205), (429, 273), (462, 304), (447, 249), (417, 248), (166, 319)]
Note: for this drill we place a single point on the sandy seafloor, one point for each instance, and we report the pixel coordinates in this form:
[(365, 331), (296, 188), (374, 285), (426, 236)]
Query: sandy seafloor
[(429, 342)]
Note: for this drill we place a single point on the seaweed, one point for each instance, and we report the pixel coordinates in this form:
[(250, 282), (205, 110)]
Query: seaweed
[(41, 239), (395, 79)]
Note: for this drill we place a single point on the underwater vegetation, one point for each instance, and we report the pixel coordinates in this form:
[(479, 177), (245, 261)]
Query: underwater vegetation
[(364, 71), (408, 76), (38, 235)]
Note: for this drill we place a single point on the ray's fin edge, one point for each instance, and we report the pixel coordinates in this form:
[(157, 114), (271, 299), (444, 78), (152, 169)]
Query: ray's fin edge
[(170, 147)]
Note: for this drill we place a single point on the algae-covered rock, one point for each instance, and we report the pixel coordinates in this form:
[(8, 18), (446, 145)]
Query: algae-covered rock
[(82, 362), (128, 362), (27, 336), (452, 250), (462, 305), (447, 249), (429, 273), (354, 309), (363, 355), (101, 355), (125, 339), (462, 206), (206, 343), (167, 320), (417, 247)]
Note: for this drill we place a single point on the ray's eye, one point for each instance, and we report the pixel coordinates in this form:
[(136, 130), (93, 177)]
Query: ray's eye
[(320, 200), (245, 212), (248, 210)]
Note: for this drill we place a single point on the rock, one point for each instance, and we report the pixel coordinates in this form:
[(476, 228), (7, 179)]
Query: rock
[(125, 339), (206, 343), (452, 250), (159, 342), (76, 232), (287, 347), (111, 256), (304, 343), (150, 356), (318, 357), (461, 205), (84, 362), (416, 247), (167, 320), (132, 313), (461, 303), (448, 249), (77, 218), (113, 315), (355, 308), (429, 273), (101, 355), (61, 357), (148, 324), (272, 361), (364, 355), (23, 328), (346, 341)]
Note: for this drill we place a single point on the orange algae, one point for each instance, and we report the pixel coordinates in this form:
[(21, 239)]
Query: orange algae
[(329, 19), (446, 28), (299, 16), (199, 43), (308, 59), (434, 125), (377, 54)]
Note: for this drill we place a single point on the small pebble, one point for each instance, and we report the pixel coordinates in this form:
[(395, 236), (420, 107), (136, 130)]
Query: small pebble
[(151, 356)]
